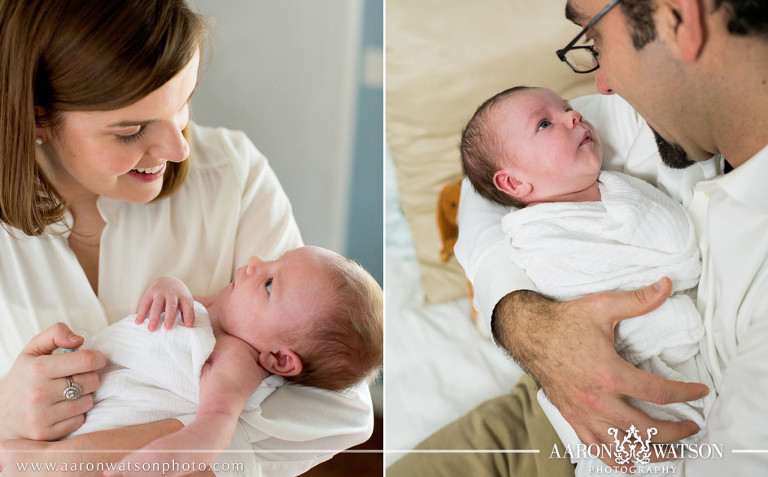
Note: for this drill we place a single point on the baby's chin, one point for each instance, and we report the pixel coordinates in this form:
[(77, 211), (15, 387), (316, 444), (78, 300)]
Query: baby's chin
[(597, 149)]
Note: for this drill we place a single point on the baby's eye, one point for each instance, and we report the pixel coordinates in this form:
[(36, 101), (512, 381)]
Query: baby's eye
[(268, 285), (543, 124)]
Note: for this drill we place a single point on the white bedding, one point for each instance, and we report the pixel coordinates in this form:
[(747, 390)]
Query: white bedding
[(437, 366)]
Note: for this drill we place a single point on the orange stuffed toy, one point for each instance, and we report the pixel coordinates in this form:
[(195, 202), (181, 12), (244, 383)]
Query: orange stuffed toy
[(447, 225), (447, 215)]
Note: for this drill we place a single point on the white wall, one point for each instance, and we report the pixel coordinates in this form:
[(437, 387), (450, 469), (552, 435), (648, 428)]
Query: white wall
[(285, 72)]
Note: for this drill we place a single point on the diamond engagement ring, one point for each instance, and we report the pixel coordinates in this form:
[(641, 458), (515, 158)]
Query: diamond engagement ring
[(73, 391)]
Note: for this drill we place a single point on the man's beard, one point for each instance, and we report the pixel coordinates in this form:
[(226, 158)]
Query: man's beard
[(672, 154)]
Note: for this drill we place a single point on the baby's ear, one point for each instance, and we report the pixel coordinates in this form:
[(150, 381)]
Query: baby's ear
[(282, 361), (505, 181)]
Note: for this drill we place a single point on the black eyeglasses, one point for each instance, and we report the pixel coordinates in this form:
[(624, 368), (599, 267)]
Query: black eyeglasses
[(583, 59)]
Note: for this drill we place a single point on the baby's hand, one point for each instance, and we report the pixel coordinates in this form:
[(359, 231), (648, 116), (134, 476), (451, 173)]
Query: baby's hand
[(169, 295)]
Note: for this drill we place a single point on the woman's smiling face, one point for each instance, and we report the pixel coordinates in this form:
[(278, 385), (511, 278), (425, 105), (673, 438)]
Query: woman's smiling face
[(122, 153)]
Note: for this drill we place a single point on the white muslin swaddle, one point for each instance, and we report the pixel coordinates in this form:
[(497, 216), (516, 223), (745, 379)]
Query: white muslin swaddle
[(152, 376), (631, 238)]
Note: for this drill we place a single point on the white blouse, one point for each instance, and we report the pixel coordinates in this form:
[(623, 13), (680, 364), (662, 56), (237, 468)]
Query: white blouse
[(231, 206)]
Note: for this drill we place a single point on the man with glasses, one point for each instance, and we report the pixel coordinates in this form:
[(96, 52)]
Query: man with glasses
[(697, 73)]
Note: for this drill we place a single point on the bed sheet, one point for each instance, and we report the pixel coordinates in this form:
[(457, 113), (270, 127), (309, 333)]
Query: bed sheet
[(437, 366)]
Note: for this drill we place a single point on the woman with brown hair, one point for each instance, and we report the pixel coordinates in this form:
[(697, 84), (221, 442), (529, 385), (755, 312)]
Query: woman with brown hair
[(105, 185)]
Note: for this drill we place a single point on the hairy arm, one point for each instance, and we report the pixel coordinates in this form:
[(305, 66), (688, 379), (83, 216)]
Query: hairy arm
[(568, 349)]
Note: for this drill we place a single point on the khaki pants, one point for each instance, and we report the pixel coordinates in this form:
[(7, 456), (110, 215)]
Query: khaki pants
[(511, 421)]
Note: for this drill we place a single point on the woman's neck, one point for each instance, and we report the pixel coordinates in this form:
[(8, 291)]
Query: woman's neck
[(87, 223), (85, 238)]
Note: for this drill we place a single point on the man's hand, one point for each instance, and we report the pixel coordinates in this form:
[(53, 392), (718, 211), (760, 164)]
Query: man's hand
[(568, 348), (166, 294)]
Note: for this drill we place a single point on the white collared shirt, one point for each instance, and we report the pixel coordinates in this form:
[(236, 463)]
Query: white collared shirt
[(230, 207), (730, 213), (731, 217)]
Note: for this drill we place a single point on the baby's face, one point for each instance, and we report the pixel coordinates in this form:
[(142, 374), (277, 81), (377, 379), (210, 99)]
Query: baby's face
[(269, 299), (547, 144)]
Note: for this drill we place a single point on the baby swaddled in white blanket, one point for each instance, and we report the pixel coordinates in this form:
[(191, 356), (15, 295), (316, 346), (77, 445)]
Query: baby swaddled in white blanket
[(311, 317), (152, 376), (579, 231), (629, 239)]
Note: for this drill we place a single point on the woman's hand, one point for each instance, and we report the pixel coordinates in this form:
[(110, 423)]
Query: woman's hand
[(32, 403), (166, 294)]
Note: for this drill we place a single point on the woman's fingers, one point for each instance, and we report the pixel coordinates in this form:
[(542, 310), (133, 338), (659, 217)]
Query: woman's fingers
[(88, 383), (36, 382), (69, 425), (56, 336), (69, 364)]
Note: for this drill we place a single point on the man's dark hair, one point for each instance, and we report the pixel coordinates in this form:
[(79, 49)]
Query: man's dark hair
[(745, 17)]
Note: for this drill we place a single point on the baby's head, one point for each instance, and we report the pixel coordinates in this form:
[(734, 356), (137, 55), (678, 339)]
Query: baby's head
[(528, 145), (314, 316)]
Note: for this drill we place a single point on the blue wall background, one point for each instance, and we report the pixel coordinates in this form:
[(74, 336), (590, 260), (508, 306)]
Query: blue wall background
[(366, 207)]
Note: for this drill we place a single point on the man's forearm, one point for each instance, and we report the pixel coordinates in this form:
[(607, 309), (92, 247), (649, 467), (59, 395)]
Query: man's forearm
[(514, 323)]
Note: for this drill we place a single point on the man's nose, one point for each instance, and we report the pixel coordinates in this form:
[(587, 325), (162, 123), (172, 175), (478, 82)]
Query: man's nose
[(602, 84)]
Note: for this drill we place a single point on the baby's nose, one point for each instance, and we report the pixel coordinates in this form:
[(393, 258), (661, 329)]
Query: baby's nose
[(253, 264), (575, 117)]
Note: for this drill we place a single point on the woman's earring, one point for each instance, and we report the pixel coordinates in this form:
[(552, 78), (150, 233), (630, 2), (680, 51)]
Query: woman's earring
[(39, 141)]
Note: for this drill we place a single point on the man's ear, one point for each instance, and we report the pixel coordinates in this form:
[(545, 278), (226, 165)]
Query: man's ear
[(282, 361), (686, 23), (505, 181)]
